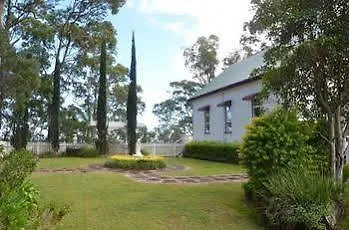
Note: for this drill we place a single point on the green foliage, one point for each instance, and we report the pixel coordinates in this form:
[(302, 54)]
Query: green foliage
[(201, 58), (213, 151), (300, 198), (175, 113), (81, 152), (306, 64), (346, 173), (141, 163), (272, 142), (132, 102), (48, 154), (16, 206), (19, 208), (15, 168)]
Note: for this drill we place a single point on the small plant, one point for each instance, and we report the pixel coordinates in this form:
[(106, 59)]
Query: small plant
[(300, 198), (213, 151), (138, 163)]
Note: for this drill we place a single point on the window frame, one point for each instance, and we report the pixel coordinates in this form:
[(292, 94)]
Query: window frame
[(256, 103), (207, 119), (227, 111)]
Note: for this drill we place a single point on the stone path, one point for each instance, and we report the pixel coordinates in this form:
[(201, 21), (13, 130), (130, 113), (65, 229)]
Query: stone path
[(155, 176)]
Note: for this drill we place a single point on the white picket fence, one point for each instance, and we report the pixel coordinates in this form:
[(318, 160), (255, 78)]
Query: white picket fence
[(153, 148)]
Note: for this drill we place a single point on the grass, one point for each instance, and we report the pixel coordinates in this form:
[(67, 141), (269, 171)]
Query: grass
[(69, 162), (202, 168), (106, 200), (196, 167)]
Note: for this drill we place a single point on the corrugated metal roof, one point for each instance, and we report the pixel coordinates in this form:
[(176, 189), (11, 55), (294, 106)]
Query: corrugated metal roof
[(234, 74)]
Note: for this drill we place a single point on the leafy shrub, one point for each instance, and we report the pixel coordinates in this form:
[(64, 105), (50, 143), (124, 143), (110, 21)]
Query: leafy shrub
[(272, 142), (81, 152), (300, 198), (213, 151), (318, 140), (19, 207), (130, 162), (15, 167)]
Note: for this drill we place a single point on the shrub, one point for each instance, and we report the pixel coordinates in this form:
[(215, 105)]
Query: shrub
[(296, 197), (272, 142), (19, 207), (81, 152), (213, 151), (48, 154), (130, 162)]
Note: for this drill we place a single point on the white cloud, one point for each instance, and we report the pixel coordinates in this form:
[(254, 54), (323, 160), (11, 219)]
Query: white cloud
[(190, 19), (224, 18)]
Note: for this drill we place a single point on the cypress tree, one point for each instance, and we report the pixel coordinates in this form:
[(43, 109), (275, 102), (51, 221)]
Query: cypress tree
[(101, 143), (132, 103)]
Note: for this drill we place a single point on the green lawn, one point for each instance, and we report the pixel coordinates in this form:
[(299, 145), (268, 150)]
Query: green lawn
[(68, 162), (106, 200), (202, 168)]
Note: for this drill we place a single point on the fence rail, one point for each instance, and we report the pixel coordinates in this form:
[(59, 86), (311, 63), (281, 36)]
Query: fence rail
[(153, 148)]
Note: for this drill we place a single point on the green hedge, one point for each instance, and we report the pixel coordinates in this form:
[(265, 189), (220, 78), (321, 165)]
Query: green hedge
[(138, 163), (81, 152), (213, 151)]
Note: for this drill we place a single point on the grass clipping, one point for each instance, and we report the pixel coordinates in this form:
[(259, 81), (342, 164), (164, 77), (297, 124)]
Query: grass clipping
[(137, 163)]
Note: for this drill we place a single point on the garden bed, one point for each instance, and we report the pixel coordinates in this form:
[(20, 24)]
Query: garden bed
[(137, 163)]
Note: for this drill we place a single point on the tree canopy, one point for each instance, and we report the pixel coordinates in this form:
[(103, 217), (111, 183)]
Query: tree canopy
[(307, 64)]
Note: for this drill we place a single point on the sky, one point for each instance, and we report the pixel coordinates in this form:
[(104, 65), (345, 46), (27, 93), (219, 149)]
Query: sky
[(163, 29)]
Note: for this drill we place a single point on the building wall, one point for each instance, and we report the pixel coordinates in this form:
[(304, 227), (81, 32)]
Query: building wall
[(241, 112)]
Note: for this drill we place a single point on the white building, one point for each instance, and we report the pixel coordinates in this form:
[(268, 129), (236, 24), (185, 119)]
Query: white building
[(223, 108)]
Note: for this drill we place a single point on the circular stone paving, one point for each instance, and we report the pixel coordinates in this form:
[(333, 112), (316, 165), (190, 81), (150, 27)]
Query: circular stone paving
[(154, 176)]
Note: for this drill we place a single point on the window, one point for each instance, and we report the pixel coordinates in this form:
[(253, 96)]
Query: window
[(207, 121), (227, 119), (257, 106)]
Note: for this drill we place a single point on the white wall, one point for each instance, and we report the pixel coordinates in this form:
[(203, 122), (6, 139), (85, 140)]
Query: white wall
[(241, 112)]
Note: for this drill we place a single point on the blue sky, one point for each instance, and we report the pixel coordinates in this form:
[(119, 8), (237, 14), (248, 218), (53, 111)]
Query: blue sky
[(163, 28)]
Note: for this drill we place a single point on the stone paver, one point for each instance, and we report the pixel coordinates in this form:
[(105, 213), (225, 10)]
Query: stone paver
[(154, 176)]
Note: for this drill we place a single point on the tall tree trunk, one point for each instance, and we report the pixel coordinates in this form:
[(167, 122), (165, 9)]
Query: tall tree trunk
[(339, 146), (132, 103), (54, 108), (102, 104), (331, 123), (20, 128)]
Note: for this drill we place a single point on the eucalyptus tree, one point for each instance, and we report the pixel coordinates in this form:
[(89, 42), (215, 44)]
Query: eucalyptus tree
[(307, 64), (70, 23), (201, 58)]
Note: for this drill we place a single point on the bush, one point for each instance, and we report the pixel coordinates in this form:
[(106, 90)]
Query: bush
[(19, 207), (130, 162), (213, 151), (272, 142), (48, 154), (81, 152), (299, 198)]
